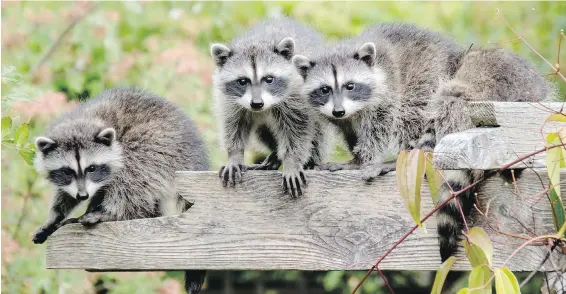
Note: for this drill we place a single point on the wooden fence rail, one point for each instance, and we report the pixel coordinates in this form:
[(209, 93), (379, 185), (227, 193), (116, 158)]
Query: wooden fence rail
[(341, 223)]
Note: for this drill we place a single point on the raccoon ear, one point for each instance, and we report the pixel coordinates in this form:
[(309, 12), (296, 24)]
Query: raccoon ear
[(366, 53), (220, 53), (106, 136), (286, 48), (45, 144), (302, 64)]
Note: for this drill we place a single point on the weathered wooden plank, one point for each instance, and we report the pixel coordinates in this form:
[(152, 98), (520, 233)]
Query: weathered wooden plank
[(341, 223), (520, 131)]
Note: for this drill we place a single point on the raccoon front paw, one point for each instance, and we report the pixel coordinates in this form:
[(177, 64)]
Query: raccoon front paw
[(231, 173), (91, 219), (292, 183), (270, 163), (370, 172), (41, 235)]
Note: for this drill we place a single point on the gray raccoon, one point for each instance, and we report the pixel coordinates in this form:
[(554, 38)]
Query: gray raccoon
[(119, 150), (483, 74), (257, 94), (375, 88)]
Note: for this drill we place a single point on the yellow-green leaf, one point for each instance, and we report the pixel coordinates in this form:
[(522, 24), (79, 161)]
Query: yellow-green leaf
[(433, 178), (478, 280), (559, 117), (401, 172), (27, 155), (479, 237), (21, 134), (506, 282), (558, 153), (464, 291), (475, 254), (441, 275), (415, 174), (6, 126)]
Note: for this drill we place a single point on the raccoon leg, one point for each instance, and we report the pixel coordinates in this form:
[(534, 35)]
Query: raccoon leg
[(294, 137), (272, 162), (194, 280), (61, 206), (95, 217), (236, 130)]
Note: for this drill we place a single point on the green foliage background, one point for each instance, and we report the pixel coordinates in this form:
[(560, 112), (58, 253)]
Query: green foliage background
[(163, 46)]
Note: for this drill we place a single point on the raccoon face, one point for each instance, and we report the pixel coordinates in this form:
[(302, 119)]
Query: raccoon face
[(79, 165), (340, 85), (256, 79)]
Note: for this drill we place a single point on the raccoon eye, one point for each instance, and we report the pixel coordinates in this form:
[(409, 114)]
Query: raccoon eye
[(90, 169), (243, 81), (68, 172), (350, 86), (269, 79), (325, 90)]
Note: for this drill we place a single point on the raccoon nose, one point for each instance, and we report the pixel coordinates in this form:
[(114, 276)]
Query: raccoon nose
[(82, 196), (256, 105), (338, 113)]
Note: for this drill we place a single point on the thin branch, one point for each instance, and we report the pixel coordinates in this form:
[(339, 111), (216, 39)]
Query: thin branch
[(520, 37), (57, 41), (385, 280)]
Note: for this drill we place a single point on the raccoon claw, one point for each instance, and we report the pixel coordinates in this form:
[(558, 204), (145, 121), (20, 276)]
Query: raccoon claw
[(231, 172), (292, 184)]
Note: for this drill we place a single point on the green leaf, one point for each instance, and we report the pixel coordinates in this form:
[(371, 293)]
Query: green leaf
[(410, 171), (559, 153), (558, 117), (475, 254), (478, 237), (21, 134), (6, 126), (27, 155), (506, 282), (464, 291), (557, 209), (441, 275), (433, 178), (479, 278)]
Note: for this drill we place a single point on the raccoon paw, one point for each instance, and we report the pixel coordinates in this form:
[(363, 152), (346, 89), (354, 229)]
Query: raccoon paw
[(91, 219), (292, 183), (40, 236), (231, 173), (270, 163), (370, 172)]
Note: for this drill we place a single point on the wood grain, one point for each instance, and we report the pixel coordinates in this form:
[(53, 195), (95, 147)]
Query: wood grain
[(341, 223), (520, 131)]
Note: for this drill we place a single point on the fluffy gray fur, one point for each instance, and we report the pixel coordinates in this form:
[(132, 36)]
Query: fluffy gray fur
[(483, 74), (119, 151), (257, 95), (375, 89)]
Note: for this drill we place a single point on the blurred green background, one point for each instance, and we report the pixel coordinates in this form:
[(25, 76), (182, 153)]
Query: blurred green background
[(163, 46)]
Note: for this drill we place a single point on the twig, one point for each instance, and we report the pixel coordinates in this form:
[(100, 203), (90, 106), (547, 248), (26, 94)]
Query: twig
[(456, 194), (56, 43), (385, 280), (533, 273), (520, 37)]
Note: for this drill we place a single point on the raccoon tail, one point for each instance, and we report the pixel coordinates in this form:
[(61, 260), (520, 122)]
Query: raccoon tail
[(194, 281), (449, 218)]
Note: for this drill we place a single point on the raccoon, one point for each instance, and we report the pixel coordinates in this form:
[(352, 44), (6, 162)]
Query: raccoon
[(257, 95), (375, 87), (119, 151), (483, 74)]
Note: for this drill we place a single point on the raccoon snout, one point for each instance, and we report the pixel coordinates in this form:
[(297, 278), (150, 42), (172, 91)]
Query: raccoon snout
[(338, 113), (81, 196), (256, 105)]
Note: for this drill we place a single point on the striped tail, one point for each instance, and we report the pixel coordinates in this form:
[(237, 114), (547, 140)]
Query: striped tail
[(449, 218)]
